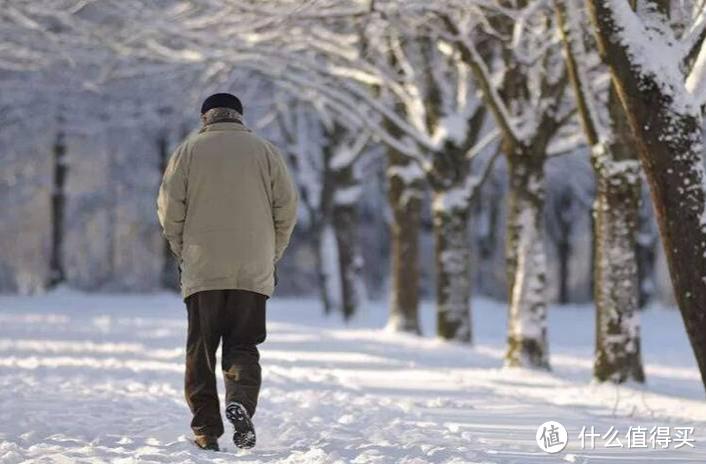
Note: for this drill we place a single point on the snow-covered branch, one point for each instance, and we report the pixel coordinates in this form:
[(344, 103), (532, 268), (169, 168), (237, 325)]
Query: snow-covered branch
[(474, 60), (576, 57)]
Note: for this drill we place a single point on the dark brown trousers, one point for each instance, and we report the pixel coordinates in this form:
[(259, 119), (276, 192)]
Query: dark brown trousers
[(238, 318)]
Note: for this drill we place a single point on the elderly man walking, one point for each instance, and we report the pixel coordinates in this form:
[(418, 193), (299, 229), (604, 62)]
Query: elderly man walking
[(227, 206)]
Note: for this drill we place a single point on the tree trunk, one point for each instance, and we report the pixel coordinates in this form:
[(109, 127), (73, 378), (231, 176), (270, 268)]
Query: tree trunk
[(526, 261), (58, 207), (322, 275), (350, 260), (616, 293), (453, 279), (564, 224), (405, 201), (170, 272), (616, 285), (615, 216), (562, 209), (564, 252), (670, 145), (561, 217), (318, 206), (646, 251), (344, 219)]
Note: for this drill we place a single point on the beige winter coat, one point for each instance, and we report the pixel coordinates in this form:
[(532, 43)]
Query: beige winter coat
[(227, 206)]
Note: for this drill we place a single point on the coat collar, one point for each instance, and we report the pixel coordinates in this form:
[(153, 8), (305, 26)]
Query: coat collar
[(225, 126)]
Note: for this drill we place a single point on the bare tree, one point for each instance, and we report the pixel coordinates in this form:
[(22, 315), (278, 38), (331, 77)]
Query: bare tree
[(58, 208), (527, 108), (661, 87), (616, 209), (404, 193), (330, 186), (341, 151)]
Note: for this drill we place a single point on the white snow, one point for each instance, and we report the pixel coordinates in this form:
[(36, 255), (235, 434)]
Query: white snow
[(653, 48), (93, 379), (696, 82), (348, 195), (330, 266), (344, 157), (409, 173), (453, 127), (455, 198)]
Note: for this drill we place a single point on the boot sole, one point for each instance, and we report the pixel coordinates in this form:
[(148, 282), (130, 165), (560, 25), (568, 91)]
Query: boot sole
[(244, 434)]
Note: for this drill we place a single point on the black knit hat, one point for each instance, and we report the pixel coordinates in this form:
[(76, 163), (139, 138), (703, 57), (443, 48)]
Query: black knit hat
[(222, 100)]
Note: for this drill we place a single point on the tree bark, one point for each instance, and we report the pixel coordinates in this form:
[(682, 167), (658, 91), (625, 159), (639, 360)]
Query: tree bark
[(564, 252), (345, 221), (405, 201), (670, 145), (451, 205), (526, 263), (618, 356), (564, 225), (58, 207), (646, 252), (453, 280), (350, 259), (616, 292)]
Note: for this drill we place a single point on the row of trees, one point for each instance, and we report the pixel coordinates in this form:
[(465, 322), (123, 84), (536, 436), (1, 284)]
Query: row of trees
[(445, 89)]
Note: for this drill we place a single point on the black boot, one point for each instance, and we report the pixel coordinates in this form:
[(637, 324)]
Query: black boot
[(206, 442), (244, 431)]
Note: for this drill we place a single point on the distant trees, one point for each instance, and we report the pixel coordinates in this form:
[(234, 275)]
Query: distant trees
[(568, 206), (330, 184), (170, 274), (58, 208), (341, 151), (648, 247)]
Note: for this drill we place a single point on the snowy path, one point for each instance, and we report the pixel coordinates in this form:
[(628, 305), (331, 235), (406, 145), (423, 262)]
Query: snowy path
[(99, 379)]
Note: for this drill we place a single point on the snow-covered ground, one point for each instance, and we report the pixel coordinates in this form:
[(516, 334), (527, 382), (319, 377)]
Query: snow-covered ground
[(99, 379)]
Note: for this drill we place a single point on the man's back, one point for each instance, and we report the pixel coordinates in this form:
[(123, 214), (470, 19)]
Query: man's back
[(229, 184), (239, 209)]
